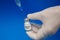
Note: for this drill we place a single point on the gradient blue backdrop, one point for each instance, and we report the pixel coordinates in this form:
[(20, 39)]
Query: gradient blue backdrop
[(12, 18)]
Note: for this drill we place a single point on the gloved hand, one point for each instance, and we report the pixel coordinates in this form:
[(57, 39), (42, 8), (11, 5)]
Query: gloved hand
[(51, 22)]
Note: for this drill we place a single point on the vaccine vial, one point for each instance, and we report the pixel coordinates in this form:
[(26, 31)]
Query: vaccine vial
[(27, 24)]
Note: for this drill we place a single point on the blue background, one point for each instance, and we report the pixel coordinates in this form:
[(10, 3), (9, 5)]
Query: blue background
[(12, 18)]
